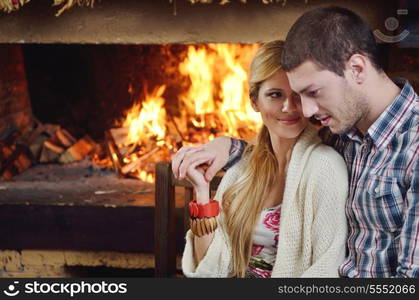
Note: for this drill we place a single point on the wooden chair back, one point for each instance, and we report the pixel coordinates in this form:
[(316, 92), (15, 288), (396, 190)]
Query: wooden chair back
[(165, 217)]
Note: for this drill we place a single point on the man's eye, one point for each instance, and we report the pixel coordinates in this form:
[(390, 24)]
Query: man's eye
[(313, 94)]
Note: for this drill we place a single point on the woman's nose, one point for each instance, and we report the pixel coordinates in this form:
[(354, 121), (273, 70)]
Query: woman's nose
[(289, 105)]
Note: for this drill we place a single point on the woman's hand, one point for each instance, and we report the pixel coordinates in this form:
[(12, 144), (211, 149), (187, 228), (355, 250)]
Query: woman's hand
[(195, 175), (214, 154)]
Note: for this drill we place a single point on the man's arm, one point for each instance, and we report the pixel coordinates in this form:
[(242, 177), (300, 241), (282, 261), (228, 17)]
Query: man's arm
[(219, 153), (236, 151), (409, 237)]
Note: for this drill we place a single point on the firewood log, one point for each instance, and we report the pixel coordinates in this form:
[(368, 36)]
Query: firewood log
[(65, 138), (17, 163), (53, 147), (113, 152), (22, 163), (135, 164), (78, 151), (51, 129), (119, 135), (47, 155), (37, 145)]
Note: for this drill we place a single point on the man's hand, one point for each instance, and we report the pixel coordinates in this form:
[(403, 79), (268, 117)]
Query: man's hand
[(214, 154)]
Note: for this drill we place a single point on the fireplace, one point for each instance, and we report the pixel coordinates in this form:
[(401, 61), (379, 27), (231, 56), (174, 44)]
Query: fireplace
[(125, 106), (135, 105), (136, 81)]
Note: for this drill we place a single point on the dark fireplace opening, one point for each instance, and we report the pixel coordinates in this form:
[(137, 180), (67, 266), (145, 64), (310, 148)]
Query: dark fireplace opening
[(85, 88)]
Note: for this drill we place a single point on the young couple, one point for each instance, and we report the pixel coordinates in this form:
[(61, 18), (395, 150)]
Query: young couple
[(291, 206)]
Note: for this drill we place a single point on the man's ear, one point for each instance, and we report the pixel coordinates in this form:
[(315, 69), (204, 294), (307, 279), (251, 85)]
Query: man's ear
[(253, 101), (356, 68)]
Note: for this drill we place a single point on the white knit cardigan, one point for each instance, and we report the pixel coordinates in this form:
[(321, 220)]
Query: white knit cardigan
[(313, 229)]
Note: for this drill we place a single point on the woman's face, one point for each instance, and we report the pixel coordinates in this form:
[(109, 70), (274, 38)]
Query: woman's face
[(280, 107)]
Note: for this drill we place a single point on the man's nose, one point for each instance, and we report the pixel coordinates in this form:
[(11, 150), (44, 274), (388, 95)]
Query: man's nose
[(309, 107)]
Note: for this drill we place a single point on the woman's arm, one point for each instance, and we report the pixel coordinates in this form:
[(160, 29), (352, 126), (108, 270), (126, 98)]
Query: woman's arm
[(195, 175), (210, 255), (202, 243), (203, 255), (329, 192), (214, 264)]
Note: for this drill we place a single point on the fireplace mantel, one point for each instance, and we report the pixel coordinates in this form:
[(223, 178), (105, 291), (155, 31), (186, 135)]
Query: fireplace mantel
[(152, 22)]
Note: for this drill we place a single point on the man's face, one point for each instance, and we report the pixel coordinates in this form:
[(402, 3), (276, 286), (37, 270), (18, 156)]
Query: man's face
[(331, 99)]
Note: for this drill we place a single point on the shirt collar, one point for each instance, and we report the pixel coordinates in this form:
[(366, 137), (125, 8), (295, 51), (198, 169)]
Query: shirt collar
[(388, 123)]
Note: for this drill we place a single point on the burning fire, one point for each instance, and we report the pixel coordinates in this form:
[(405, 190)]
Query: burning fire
[(216, 103), (148, 119), (217, 99), (200, 98)]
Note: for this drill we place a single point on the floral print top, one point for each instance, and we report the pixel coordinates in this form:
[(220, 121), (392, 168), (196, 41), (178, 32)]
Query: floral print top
[(265, 243)]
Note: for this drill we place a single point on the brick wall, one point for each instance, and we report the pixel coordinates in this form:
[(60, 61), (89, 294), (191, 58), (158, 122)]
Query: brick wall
[(15, 107)]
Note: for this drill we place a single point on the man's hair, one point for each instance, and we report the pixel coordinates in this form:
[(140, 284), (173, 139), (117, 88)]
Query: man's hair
[(329, 36)]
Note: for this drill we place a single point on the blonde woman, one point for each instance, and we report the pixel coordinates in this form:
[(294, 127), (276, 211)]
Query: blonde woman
[(282, 206)]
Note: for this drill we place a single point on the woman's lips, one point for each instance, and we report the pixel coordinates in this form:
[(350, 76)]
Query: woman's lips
[(290, 121)]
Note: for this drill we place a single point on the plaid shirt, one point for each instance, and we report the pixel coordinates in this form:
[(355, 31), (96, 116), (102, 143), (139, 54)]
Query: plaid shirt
[(383, 204)]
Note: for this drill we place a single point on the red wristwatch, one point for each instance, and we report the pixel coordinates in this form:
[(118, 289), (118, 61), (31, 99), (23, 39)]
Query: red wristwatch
[(208, 210)]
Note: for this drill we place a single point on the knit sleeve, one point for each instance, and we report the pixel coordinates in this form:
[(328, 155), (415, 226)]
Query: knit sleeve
[(329, 193), (217, 260)]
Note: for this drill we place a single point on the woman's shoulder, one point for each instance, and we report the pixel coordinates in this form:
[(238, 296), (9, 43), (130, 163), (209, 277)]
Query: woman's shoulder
[(326, 165), (323, 160), (325, 154), (319, 155), (327, 175)]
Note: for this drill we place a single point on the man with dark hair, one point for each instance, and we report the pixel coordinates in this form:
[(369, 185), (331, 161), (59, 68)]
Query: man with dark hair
[(331, 59), (329, 36)]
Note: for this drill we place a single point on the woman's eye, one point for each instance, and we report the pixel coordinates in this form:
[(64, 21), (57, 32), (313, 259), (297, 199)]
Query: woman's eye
[(275, 95)]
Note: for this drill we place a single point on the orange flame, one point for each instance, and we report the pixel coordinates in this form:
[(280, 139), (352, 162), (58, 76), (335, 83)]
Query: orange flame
[(216, 103), (235, 107), (147, 119), (199, 99), (218, 95)]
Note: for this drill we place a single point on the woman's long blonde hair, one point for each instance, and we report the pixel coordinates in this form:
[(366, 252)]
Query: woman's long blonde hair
[(243, 201)]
